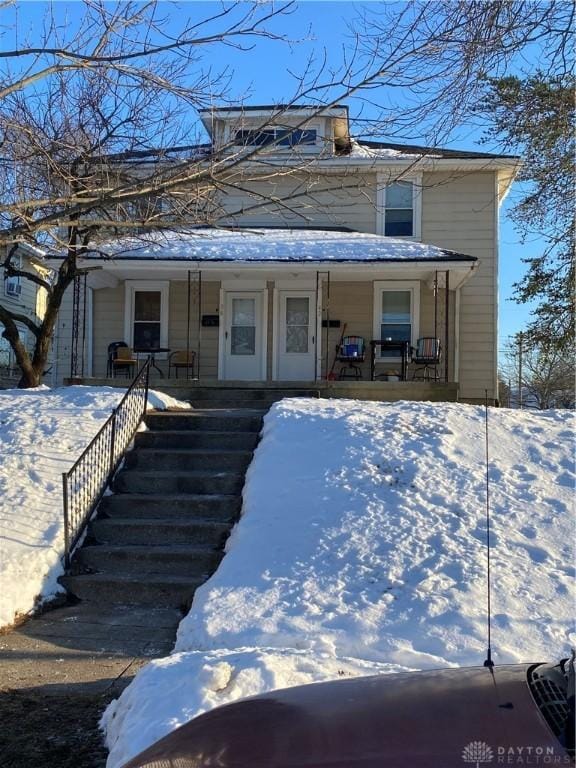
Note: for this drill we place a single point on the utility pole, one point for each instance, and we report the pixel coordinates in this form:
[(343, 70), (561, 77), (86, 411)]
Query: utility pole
[(520, 352)]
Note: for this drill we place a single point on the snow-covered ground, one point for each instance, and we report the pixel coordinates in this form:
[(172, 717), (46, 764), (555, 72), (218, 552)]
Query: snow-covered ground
[(42, 433), (361, 550)]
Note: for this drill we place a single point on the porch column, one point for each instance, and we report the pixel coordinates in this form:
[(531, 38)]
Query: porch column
[(78, 344), (322, 321), (194, 297)]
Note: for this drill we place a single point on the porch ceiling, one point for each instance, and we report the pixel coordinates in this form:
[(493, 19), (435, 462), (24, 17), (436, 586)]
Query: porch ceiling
[(110, 273)]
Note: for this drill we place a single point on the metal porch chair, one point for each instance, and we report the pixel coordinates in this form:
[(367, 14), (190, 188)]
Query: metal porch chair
[(426, 357), (351, 353)]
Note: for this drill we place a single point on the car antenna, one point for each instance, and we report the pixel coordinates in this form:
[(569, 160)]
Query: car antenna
[(488, 661)]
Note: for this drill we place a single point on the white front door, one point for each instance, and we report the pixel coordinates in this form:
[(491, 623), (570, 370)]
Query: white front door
[(296, 354), (243, 356)]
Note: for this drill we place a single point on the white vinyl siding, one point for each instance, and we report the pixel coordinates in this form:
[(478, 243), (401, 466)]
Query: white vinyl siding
[(311, 201), (459, 212)]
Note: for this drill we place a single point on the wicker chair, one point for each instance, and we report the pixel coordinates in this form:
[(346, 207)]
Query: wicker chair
[(182, 359), (121, 358)]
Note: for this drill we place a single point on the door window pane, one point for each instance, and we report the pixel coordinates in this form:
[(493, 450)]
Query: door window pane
[(243, 312), (297, 339), (297, 311), (297, 321), (243, 340), (243, 327)]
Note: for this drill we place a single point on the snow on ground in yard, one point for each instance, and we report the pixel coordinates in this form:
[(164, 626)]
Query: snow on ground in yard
[(42, 433), (362, 548)]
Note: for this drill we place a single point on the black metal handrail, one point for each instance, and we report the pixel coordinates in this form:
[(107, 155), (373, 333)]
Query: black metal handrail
[(84, 484)]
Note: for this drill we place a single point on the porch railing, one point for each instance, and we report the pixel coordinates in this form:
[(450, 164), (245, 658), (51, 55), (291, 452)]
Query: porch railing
[(84, 484)]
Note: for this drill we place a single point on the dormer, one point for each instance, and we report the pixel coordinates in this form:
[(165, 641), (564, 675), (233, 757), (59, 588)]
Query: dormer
[(279, 129)]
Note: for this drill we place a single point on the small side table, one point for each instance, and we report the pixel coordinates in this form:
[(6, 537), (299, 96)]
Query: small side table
[(385, 344), (152, 352)]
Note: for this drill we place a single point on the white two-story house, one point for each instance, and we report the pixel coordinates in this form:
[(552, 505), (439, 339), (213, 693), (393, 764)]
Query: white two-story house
[(317, 236)]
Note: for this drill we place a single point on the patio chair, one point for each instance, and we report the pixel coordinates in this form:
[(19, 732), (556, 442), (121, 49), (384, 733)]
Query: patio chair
[(426, 358), (120, 358), (351, 353), (182, 359)]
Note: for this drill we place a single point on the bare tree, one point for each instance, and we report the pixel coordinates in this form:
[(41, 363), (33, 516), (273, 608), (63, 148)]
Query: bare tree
[(98, 132), (543, 375), (507, 67), (98, 138), (89, 124), (440, 53)]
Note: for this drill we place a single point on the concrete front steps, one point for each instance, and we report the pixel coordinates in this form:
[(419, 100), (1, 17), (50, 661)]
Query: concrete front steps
[(162, 532), (245, 397)]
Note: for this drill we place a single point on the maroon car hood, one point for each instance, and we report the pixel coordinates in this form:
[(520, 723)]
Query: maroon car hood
[(440, 719)]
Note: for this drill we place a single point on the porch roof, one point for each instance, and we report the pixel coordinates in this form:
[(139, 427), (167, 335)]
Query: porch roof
[(268, 245)]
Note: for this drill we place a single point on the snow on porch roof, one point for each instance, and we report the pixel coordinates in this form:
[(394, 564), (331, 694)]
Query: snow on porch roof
[(272, 245)]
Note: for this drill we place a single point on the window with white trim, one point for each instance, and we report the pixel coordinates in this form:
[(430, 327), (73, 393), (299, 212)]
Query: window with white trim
[(12, 285), (396, 314), (281, 137), (399, 208), (146, 318)]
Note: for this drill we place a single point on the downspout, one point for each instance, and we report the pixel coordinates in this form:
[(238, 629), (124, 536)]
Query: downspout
[(457, 336), (496, 283)]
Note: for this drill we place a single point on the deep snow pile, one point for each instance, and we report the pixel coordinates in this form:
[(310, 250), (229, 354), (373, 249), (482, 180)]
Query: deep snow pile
[(42, 433), (361, 549)]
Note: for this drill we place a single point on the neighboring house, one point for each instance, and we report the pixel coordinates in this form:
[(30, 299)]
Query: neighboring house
[(21, 297), (319, 232)]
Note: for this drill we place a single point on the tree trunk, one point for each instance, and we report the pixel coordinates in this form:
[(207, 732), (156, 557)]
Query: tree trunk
[(30, 378)]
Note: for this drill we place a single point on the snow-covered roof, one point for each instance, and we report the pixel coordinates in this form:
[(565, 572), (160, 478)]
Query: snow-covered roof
[(360, 148), (271, 245), (365, 151)]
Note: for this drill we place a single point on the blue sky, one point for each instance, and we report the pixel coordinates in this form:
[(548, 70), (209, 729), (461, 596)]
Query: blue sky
[(263, 75)]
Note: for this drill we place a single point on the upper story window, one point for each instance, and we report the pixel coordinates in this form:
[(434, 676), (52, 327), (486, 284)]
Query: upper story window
[(280, 137), (12, 285), (399, 208)]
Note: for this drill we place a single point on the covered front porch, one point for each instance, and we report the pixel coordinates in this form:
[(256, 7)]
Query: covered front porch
[(265, 323)]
